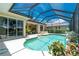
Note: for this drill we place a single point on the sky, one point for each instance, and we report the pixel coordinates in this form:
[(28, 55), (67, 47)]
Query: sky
[(58, 21)]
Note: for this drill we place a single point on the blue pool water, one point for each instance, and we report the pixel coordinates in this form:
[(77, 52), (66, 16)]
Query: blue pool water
[(41, 43)]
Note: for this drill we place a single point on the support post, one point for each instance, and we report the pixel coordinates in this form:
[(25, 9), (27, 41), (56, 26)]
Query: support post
[(24, 28)]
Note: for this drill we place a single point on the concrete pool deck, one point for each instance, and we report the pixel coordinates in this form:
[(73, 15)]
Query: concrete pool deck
[(16, 48)]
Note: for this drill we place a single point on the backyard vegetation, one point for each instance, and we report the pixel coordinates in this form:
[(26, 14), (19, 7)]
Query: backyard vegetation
[(71, 49), (56, 49), (57, 30), (31, 29)]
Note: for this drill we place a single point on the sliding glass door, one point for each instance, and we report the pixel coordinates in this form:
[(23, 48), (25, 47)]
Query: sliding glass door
[(19, 27), (3, 26), (10, 27)]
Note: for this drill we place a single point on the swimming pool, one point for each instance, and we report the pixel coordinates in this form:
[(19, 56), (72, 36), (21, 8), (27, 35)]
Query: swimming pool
[(41, 43)]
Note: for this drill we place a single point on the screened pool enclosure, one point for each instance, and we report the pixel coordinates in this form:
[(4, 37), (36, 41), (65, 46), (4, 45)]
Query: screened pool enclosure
[(44, 13)]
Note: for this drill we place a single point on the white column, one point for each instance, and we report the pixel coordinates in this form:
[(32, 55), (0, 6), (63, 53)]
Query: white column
[(24, 28), (43, 27), (38, 28)]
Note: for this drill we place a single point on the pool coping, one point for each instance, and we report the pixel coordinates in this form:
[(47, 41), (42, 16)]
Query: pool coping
[(17, 44), (16, 48)]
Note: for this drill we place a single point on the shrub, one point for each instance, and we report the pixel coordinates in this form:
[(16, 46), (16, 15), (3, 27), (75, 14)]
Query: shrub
[(72, 36), (56, 48), (73, 49), (28, 30)]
